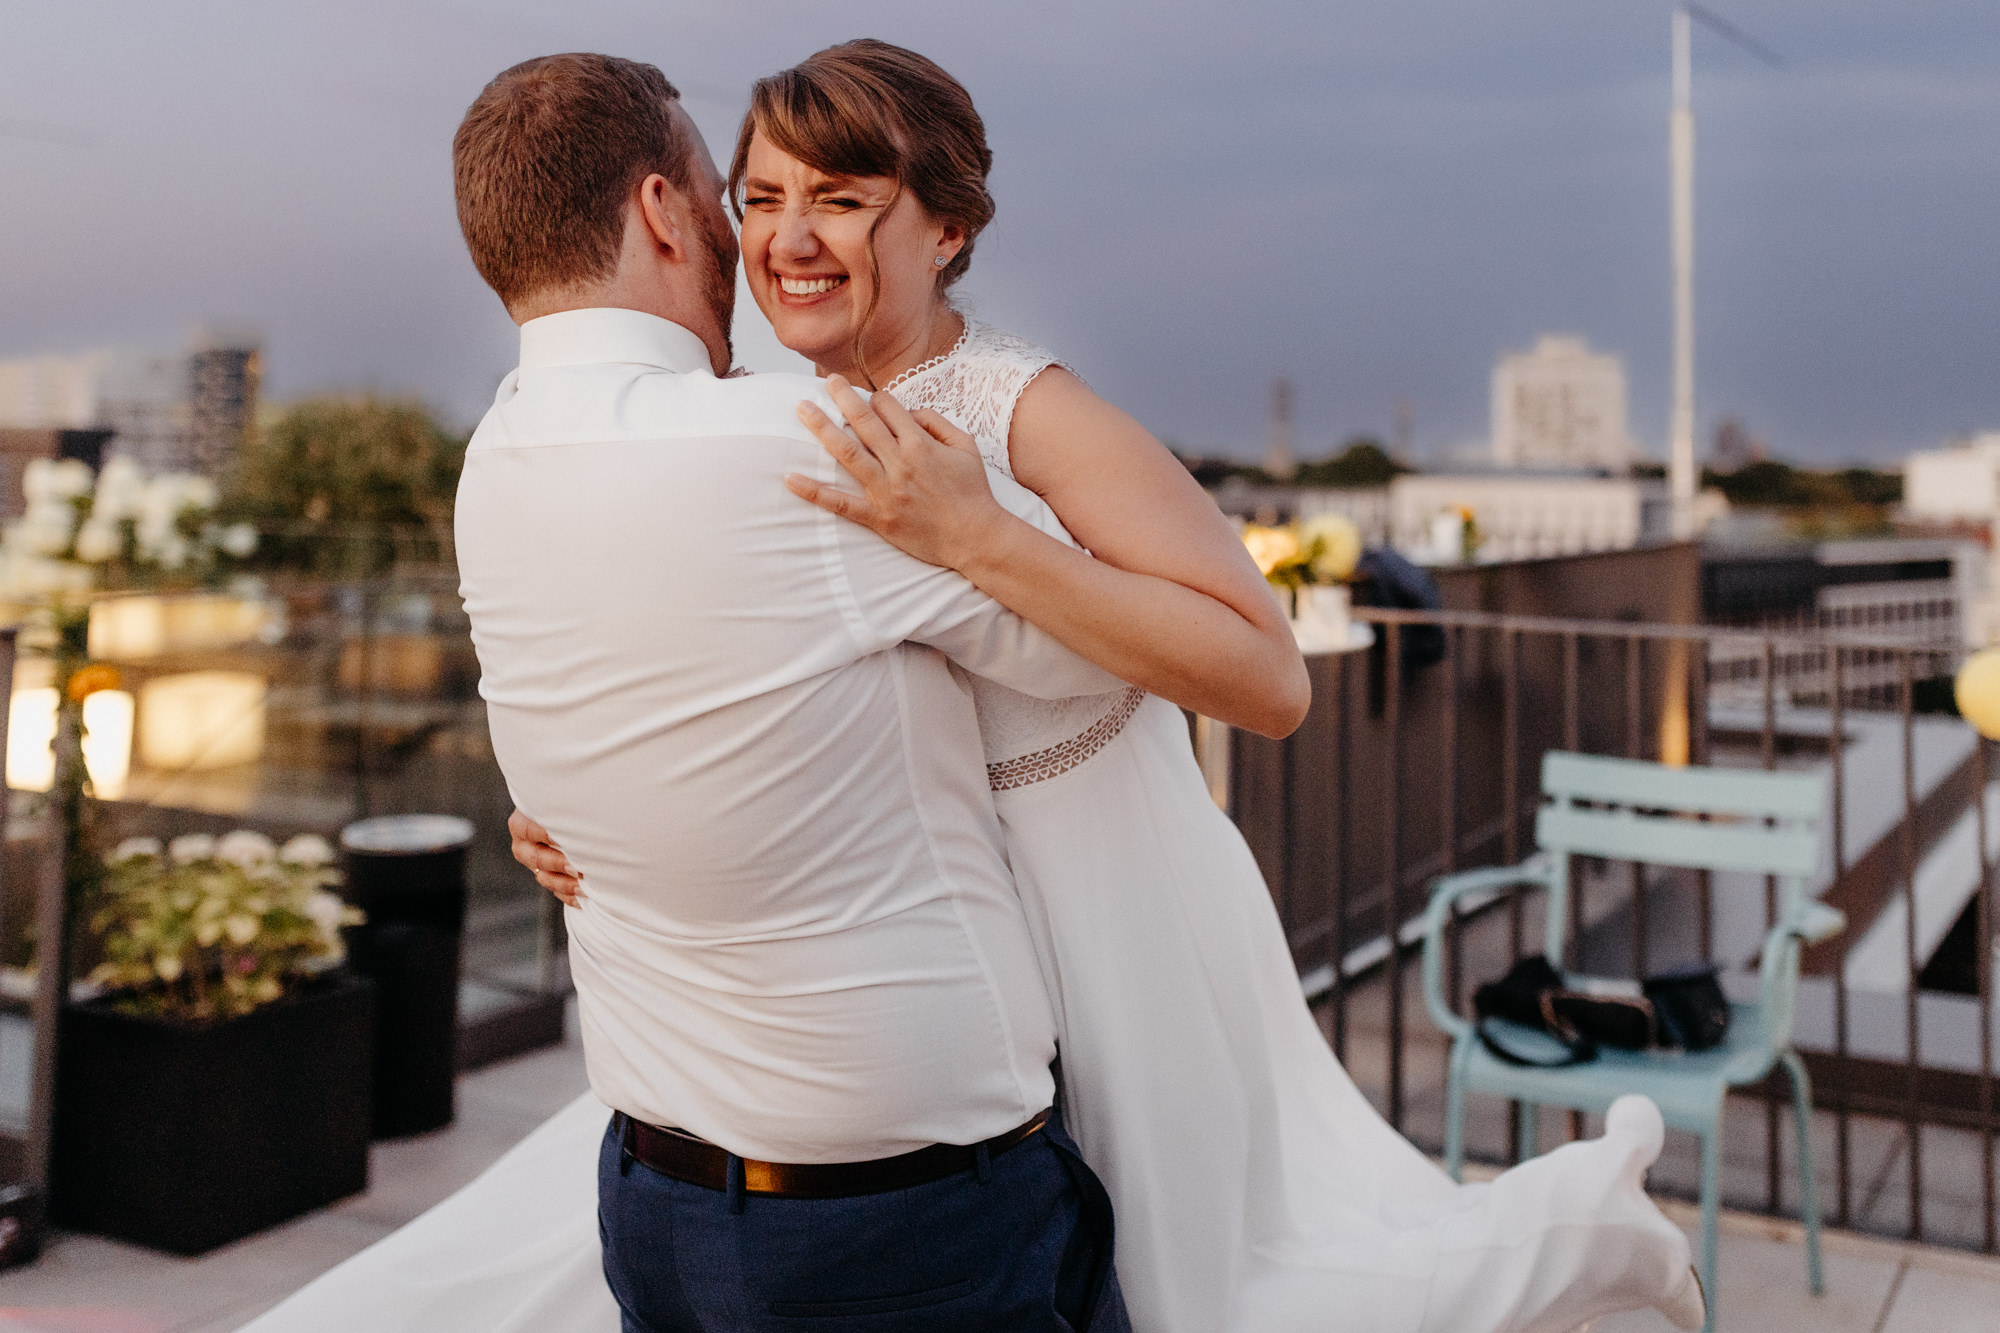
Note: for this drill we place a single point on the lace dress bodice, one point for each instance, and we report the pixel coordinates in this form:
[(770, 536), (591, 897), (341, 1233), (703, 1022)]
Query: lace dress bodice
[(975, 386)]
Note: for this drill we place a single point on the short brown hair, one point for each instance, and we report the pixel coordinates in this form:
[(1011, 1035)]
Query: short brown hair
[(866, 108), (547, 156)]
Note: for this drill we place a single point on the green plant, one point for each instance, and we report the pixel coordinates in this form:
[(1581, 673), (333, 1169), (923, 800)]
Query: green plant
[(212, 927), (347, 487)]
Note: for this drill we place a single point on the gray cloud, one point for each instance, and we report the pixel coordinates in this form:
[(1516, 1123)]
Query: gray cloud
[(1378, 196)]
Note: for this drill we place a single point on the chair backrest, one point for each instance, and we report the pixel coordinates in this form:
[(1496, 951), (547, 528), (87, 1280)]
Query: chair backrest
[(1702, 818)]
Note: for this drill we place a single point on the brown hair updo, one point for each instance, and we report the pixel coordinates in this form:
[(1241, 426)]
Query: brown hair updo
[(867, 108)]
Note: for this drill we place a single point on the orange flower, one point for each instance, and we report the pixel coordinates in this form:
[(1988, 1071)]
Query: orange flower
[(88, 680)]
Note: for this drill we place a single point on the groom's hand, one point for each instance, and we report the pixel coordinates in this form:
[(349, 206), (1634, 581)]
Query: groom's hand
[(923, 483), (535, 849)]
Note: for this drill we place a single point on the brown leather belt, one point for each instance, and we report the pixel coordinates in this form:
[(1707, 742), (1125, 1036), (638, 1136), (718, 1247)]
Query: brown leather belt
[(683, 1156)]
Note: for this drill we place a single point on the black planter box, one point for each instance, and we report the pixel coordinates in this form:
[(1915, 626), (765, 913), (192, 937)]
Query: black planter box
[(184, 1137)]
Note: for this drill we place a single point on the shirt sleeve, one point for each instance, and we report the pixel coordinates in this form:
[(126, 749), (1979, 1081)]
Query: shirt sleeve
[(897, 598)]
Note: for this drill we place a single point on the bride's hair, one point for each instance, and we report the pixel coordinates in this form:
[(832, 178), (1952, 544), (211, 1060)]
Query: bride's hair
[(867, 108)]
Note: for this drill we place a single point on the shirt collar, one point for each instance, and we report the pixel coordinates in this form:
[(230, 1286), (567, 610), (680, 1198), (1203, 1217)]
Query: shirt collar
[(610, 335)]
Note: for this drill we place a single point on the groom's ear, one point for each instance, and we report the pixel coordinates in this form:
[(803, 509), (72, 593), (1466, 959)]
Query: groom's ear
[(660, 206)]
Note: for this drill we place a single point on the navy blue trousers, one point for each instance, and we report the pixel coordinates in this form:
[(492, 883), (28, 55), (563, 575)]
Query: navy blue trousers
[(1027, 1249)]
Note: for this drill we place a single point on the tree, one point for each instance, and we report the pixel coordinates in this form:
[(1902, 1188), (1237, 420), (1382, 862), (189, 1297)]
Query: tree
[(348, 486), (1867, 486), (1208, 471), (1764, 482), (1362, 464), (1770, 483)]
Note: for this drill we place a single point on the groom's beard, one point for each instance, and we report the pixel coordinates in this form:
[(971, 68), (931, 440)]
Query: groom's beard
[(719, 283)]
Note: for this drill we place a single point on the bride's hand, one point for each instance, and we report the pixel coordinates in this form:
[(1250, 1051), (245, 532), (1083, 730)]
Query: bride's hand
[(923, 483), (535, 849)]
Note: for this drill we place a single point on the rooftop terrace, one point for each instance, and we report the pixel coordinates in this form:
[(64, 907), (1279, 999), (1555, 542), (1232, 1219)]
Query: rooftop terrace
[(89, 1285)]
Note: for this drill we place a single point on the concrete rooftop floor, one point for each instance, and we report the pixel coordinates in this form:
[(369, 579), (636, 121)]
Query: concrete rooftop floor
[(85, 1284), (88, 1285)]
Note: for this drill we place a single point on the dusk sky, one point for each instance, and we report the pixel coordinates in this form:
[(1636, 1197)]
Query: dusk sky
[(1376, 196)]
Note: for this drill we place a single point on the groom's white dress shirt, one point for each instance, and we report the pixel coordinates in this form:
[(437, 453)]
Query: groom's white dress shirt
[(799, 937)]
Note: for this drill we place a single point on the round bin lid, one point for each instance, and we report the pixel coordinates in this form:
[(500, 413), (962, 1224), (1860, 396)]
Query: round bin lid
[(391, 835)]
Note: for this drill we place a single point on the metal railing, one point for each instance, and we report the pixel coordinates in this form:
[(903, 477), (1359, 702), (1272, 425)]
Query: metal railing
[(1422, 756)]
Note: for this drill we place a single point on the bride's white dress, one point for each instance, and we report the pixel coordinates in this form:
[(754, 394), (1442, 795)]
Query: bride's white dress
[(1255, 1189)]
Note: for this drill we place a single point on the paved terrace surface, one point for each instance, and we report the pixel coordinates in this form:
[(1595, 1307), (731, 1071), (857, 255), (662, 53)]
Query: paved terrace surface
[(88, 1285)]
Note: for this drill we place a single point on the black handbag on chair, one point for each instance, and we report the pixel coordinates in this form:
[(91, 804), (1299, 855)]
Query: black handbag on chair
[(1681, 1010)]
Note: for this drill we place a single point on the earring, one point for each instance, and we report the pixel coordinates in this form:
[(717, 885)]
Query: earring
[(939, 260)]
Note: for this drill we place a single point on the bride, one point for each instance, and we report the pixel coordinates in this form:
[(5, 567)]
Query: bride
[(1255, 1188)]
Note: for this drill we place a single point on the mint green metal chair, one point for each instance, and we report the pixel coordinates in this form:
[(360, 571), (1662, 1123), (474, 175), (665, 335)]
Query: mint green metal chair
[(1623, 809)]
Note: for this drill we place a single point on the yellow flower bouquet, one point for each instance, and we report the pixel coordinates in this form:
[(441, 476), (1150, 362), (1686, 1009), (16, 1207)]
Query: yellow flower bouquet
[(1323, 549), (1308, 564)]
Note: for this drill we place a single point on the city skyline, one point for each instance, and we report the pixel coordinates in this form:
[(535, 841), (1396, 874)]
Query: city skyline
[(1376, 200)]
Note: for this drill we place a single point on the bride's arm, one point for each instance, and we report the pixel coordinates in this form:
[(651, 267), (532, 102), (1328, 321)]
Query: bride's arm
[(1170, 602)]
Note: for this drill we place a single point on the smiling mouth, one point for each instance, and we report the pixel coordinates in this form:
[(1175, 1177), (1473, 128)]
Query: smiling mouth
[(810, 286)]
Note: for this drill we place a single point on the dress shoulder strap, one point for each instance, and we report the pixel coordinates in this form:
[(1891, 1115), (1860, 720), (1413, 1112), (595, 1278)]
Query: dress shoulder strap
[(977, 384)]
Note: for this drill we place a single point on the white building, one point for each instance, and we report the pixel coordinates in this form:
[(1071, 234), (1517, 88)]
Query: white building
[(1519, 515), (1960, 486), (170, 411), (1560, 405), (1957, 483)]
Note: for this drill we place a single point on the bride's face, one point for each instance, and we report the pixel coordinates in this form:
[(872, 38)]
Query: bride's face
[(806, 243)]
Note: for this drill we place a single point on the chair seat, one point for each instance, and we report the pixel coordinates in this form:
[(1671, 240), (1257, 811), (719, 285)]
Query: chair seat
[(1687, 1085)]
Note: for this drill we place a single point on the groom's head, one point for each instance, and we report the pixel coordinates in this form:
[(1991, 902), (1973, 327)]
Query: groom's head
[(581, 181)]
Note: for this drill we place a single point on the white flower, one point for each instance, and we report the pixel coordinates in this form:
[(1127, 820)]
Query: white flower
[(192, 847), (238, 539), (43, 530), (159, 508), (120, 488), (132, 847), (27, 576), (241, 928), (245, 847), (197, 492), (173, 552), (168, 965), (307, 849), (152, 536), (98, 541), (327, 911), (56, 480), (35, 479), (72, 477)]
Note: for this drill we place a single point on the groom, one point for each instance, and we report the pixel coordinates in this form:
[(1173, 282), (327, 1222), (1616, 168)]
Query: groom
[(803, 976)]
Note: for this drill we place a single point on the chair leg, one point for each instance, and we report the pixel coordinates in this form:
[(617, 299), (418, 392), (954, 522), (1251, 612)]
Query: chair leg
[(1454, 1119), (1711, 1194), (1808, 1190), (1530, 1142)]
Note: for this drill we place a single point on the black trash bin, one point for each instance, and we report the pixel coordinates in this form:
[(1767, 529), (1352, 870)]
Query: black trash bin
[(407, 872)]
